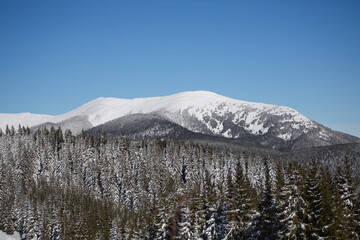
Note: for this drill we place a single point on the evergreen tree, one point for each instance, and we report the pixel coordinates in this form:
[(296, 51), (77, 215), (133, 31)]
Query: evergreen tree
[(241, 204), (296, 213), (313, 199), (185, 228), (345, 185), (162, 221), (282, 199), (209, 230), (357, 214), (268, 223), (327, 215)]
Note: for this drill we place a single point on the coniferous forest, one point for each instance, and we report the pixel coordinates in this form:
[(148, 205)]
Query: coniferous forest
[(54, 185)]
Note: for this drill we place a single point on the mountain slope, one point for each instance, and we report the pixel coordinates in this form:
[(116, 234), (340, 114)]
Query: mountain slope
[(201, 112), (140, 126), (75, 124)]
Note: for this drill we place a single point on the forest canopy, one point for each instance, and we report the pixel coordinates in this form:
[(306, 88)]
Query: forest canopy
[(54, 185)]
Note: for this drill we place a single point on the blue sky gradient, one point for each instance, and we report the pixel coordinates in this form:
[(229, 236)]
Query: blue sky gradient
[(58, 55)]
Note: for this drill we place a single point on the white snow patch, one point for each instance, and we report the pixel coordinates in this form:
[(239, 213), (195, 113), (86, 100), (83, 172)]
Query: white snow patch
[(285, 136), (257, 128), (251, 117), (219, 127), (323, 135), (228, 133), (5, 236)]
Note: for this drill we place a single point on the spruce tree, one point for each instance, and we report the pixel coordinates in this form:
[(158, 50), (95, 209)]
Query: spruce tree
[(327, 214), (345, 184), (185, 225), (313, 199), (283, 204), (241, 206), (268, 223)]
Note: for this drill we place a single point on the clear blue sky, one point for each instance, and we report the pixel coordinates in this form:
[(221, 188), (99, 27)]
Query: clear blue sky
[(58, 55)]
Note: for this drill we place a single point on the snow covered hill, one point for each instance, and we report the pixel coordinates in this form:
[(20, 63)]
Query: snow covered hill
[(201, 112)]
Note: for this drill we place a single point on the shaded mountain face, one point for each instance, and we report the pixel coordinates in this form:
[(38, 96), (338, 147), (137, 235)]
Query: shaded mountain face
[(149, 126), (199, 112), (142, 126)]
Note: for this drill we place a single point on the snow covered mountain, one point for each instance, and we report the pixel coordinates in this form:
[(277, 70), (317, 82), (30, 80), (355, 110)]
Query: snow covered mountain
[(201, 112)]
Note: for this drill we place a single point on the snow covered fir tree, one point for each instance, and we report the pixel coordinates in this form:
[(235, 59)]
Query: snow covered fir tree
[(55, 185)]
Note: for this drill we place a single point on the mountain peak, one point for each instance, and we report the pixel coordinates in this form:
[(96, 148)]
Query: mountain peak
[(197, 93)]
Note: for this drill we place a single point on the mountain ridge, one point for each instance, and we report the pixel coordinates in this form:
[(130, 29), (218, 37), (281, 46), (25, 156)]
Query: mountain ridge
[(201, 112)]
